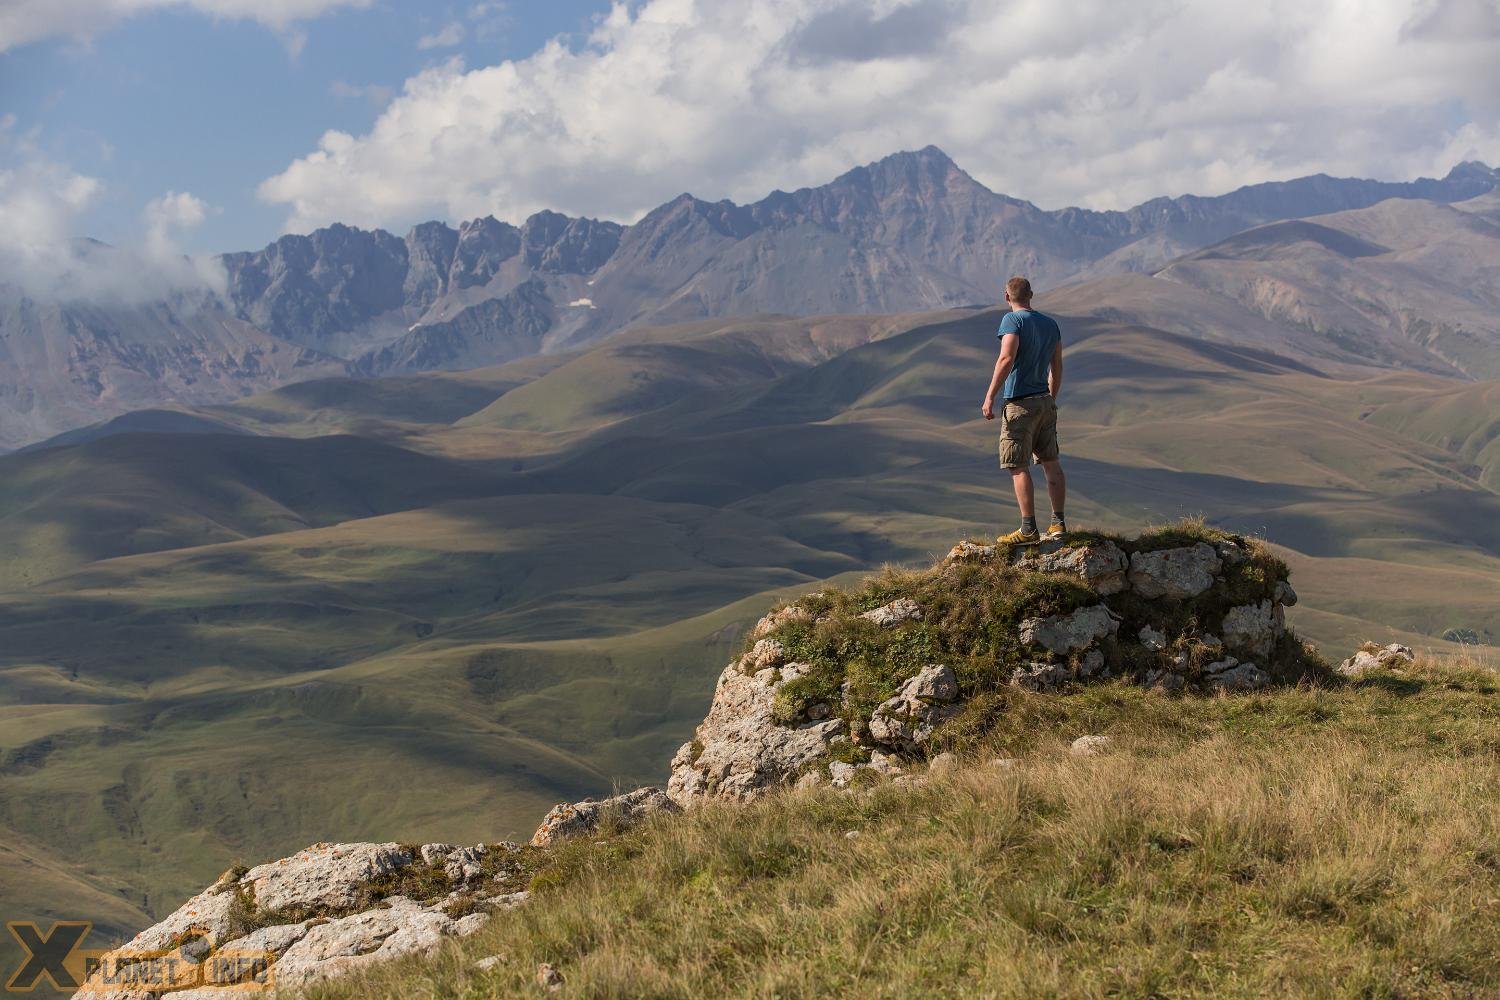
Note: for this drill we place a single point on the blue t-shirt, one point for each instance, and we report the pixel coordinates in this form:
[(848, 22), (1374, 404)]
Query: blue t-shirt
[(1039, 337)]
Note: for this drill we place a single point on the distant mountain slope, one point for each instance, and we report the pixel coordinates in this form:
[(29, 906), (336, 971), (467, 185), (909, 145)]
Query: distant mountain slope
[(910, 232), (1405, 283), (66, 365)]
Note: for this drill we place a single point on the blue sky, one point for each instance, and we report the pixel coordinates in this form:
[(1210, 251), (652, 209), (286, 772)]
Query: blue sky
[(210, 125), (176, 100)]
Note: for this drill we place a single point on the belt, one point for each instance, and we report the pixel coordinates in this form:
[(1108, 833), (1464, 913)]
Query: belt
[(1029, 395)]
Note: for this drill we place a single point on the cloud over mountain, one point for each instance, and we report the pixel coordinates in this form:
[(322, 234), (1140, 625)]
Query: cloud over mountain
[(41, 200), (1092, 103)]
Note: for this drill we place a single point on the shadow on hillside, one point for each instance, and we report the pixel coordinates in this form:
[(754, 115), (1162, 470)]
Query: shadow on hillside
[(1402, 687)]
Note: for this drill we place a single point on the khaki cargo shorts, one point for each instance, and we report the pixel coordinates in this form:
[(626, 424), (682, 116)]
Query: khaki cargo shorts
[(1028, 427)]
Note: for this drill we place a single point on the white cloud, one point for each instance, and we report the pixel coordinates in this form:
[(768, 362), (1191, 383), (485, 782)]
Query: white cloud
[(1087, 102), (41, 202), (451, 34), (23, 21)]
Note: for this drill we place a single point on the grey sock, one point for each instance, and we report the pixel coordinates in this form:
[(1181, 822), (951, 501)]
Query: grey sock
[(1028, 525), (1058, 519)]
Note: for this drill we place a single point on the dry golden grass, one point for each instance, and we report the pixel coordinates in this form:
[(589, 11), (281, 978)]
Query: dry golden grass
[(1338, 841)]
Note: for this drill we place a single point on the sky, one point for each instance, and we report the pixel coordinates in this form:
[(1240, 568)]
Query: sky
[(199, 126)]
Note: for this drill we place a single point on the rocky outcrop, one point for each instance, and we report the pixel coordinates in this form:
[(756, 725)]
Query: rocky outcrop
[(1170, 597), (323, 912), (1392, 657), (582, 818), (739, 749)]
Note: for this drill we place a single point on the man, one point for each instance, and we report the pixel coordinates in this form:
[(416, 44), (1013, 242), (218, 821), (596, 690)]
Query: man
[(1029, 371)]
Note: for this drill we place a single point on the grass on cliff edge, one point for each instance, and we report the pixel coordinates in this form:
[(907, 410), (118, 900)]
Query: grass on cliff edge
[(1339, 840)]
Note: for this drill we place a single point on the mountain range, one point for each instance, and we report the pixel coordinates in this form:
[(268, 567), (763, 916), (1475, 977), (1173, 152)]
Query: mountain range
[(910, 232)]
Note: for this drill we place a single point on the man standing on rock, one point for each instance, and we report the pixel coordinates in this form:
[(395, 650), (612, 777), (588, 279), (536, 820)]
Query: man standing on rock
[(1029, 370)]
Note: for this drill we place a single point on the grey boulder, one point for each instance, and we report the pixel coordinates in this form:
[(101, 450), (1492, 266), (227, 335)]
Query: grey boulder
[(1063, 634), (1177, 573), (1254, 628), (1392, 657), (581, 818)]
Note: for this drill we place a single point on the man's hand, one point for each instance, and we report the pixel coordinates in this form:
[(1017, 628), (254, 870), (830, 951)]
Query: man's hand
[(988, 409)]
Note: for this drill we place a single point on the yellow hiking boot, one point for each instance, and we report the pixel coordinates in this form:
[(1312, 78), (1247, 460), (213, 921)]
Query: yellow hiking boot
[(1055, 532), (1019, 537)]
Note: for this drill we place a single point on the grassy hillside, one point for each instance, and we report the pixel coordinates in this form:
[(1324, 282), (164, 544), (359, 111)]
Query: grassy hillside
[(222, 647), (1315, 841)]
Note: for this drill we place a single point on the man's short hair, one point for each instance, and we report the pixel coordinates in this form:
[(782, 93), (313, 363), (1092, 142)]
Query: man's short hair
[(1018, 289)]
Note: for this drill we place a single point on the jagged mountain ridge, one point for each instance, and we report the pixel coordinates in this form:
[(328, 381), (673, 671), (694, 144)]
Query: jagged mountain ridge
[(910, 232)]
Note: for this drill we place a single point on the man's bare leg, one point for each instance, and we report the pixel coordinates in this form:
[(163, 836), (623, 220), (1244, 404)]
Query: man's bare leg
[(1025, 491), (1057, 484)]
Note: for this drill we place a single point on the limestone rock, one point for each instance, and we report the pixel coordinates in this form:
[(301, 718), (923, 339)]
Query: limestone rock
[(924, 701), (1254, 628), (488, 962), (1284, 594), (584, 817), (462, 865), (1101, 565), (841, 773), (943, 763), (1178, 573), (967, 551), (1042, 676), (322, 876), (1063, 634), (1392, 657), (884, 764), (739, 750), (1090, 746), (433, 854), (778, 618), (903, 609), (343, 945), (207, 912), (765, 653)]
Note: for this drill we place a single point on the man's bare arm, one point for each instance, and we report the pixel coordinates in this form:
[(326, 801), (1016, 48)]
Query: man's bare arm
[(1054, 374), (1009, 344)]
